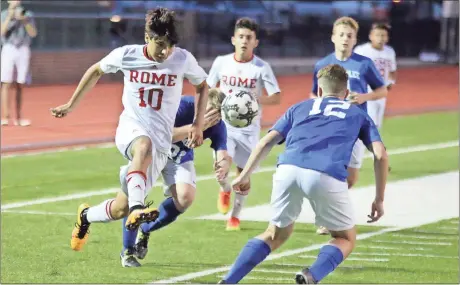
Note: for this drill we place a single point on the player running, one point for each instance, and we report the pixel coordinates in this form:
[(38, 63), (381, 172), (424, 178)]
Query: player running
[(384, 58), (179, 174), (319, 134), (153, 79), (242, 71)]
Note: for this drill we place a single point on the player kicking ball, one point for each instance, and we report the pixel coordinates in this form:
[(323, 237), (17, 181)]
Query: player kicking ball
[(179, 174), (361, 74), (153, 79), (319, 134), (235, 72)]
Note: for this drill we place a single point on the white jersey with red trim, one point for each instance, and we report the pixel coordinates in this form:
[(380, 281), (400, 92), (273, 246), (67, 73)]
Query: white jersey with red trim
[(152, 90), (251, 76), (384, 60)]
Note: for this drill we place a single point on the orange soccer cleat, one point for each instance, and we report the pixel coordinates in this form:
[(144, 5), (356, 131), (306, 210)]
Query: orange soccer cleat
[(80, 231), (233, 224), (223, 202)]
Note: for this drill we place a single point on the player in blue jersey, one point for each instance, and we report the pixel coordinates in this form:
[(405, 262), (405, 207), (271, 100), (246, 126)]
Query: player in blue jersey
[(179, 174), (319, 134), (361, 74)]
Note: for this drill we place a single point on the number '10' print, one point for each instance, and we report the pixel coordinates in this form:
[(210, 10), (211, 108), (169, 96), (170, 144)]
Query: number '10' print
[(150, 93)]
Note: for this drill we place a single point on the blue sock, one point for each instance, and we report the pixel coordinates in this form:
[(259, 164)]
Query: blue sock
[(329, 258), (253, 253), (129, 237), (168, 214)]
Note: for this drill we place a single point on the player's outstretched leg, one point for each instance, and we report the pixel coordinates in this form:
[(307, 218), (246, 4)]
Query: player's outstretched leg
[(329, 257), (107, 211), (141, 153), (183, 195), (255, 251)]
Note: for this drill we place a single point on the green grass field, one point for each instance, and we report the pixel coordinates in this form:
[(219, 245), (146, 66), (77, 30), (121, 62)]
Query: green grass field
[(36, 236)]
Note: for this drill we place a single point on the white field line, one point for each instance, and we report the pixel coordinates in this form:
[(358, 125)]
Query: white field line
[(58, 150), (194, 275), (413, 242), (38, 213), (453, 229), (392, 247), (424, 237), (40, 201), (264, 279), (350, 258), (403, 255), (454, 222), (274, 271)]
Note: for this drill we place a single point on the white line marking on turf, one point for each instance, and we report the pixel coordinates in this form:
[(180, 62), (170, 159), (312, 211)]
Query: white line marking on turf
[(350, 258), (274, 271), (40, 201), (454, 229), (58, 150), (403, 254), (265, 279), (413, 242), (391, 248), (37, 213), (194, 275), (454, 222), (424, 237)]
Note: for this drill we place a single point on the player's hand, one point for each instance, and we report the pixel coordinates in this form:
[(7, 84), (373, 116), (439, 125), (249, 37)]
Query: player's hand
[(61, 111), (241, 185), (195, 135), (221, 169), (355, 98), (211, 118), (389, 86), (376, 211), (11, 11)]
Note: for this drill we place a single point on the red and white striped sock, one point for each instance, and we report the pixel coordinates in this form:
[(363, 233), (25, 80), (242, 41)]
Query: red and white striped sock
[(100, 213)]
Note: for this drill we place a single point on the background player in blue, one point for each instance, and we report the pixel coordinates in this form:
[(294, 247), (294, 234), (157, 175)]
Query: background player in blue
[(320, 134), (179, 174), (361, 74)]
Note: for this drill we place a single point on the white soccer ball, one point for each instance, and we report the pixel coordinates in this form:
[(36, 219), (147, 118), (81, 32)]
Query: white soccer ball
[(239, 109)]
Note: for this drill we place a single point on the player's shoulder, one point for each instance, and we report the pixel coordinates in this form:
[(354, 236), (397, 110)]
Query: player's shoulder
[(181, 53), (389, 49), (362, 47), (328, 59), (187, 99), (361, 58), (259, 62)]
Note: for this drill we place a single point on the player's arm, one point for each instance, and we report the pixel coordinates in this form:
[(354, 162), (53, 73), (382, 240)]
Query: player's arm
[(271, 86), (29, 24), (213, 78), (223, 161), (392, 75), (6, 21), (371, 138), (260, 152), (87, 82), (211, 118), (375, 80)]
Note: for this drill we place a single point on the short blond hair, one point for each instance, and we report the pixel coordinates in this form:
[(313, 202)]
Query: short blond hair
[(215, 98), (348, 21), (332, 79)]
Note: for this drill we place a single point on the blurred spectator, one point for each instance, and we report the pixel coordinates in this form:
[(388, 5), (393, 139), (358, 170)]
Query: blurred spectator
[(17, 30)]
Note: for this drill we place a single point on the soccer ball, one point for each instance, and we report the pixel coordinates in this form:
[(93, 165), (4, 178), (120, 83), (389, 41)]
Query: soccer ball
[(239, 109)]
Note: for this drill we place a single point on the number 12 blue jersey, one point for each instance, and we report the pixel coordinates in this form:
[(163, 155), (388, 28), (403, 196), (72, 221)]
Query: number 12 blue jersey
[(320, 134)]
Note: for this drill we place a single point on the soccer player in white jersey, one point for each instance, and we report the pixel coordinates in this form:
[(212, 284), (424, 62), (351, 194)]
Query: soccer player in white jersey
[(384, 58), (153, 79), (242, 70)]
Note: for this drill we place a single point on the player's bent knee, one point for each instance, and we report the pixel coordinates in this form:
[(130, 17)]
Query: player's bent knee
[(119, 208), (185, 195), (278, 236), (349, 235), (142, 147)]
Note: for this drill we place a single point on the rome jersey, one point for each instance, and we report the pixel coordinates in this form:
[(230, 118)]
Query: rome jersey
[(250, 76), (384, 60), (152, 90)]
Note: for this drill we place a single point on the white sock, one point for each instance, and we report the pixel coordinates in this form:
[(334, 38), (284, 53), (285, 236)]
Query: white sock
[(136, 181), (238, 205), (225, 186), (100, 213)]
